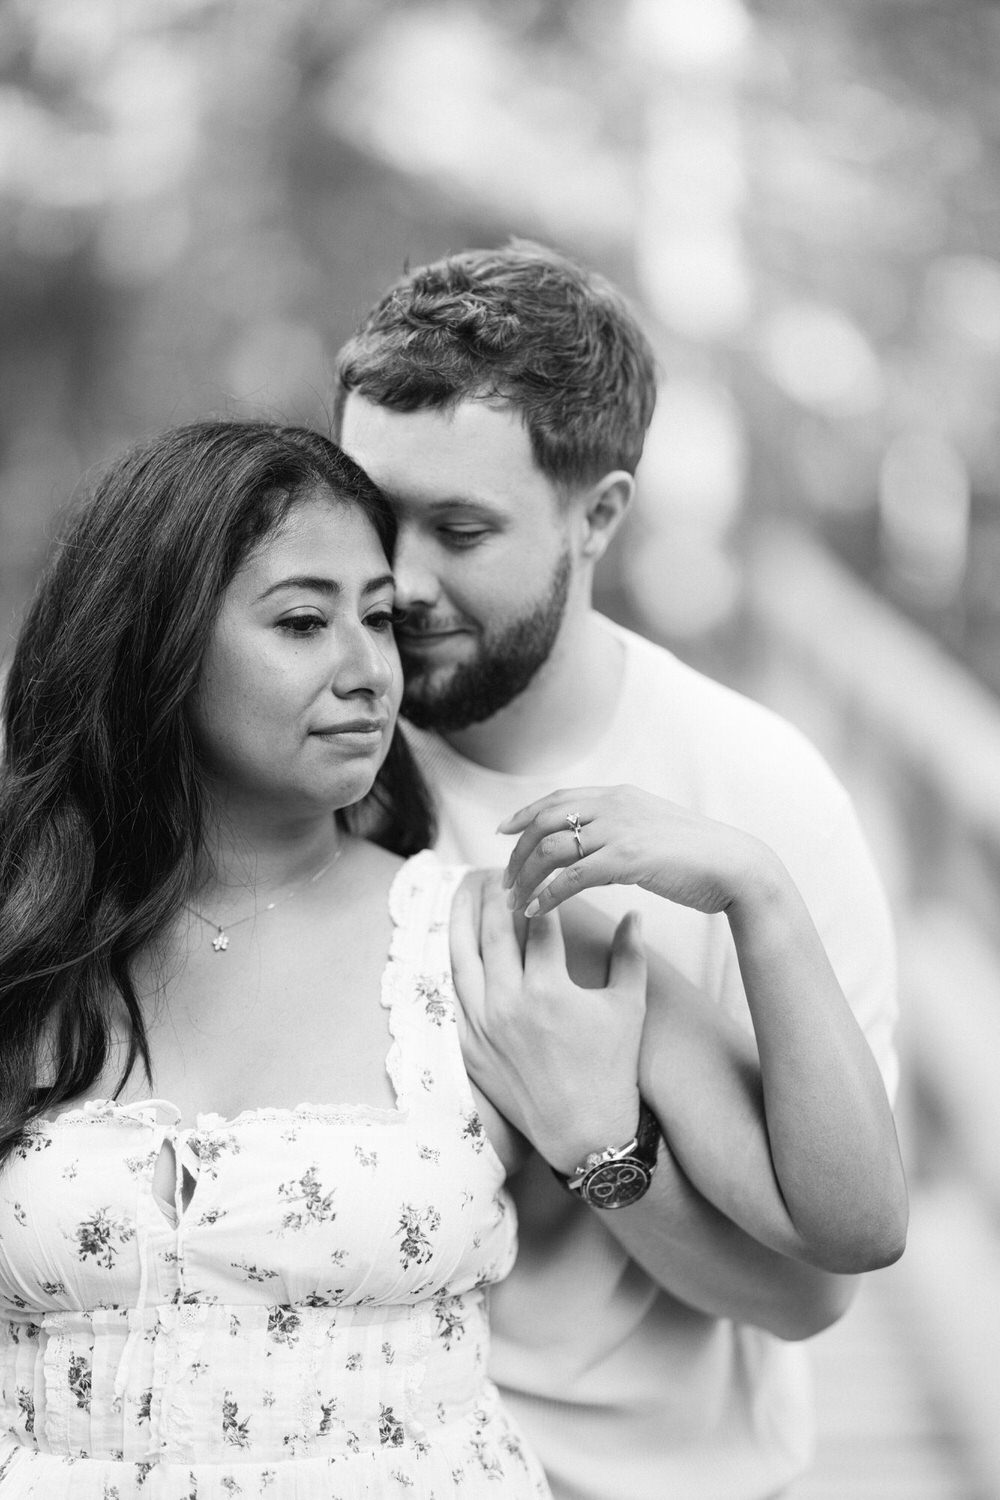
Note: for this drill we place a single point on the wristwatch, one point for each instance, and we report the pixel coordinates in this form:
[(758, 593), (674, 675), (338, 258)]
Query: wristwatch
[(621, 1174)]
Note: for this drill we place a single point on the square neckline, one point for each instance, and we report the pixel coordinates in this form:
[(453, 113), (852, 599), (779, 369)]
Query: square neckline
[(147, 1110)]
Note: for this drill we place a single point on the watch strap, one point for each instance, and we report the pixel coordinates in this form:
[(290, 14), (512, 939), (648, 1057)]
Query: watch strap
[(642, 1147)]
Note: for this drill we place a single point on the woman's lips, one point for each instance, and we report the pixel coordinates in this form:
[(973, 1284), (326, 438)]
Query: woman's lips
[(358, 729)]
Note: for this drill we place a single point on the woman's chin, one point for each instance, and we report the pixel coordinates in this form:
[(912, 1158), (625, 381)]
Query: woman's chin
[(351, 789)]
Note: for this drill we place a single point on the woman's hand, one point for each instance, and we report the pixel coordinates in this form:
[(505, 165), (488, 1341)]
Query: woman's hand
[(559, 1061), (626, 837)]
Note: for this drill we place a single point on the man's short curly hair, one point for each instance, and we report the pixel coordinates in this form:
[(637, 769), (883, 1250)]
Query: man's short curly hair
[(522, 325)]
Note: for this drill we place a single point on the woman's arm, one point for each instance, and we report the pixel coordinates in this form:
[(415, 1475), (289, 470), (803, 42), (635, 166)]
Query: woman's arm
[(801, 1153)]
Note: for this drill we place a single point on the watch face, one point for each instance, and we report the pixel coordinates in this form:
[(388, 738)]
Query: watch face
[(616, 1184)]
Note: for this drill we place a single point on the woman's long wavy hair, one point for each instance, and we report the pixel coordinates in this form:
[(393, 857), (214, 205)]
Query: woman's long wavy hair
[(101, 806)]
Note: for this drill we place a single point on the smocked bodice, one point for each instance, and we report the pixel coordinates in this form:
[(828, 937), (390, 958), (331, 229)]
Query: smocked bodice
[(306, 1319)]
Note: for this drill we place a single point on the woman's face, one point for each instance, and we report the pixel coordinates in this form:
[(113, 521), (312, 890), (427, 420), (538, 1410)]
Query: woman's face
[(300, 684)]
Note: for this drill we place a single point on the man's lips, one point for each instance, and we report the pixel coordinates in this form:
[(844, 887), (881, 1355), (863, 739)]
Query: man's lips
[(414, 639)]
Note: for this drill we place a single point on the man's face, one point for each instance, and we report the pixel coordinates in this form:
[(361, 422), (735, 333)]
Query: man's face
[(483, 563)]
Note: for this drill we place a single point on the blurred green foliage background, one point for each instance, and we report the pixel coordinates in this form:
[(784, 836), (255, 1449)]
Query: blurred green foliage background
[(200, 199)]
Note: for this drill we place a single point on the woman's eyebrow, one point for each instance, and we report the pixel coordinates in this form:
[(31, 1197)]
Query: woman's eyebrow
[(321, 584)]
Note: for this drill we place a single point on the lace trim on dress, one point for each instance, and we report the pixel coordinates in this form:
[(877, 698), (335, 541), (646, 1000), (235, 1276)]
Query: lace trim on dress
[(103, 1111)]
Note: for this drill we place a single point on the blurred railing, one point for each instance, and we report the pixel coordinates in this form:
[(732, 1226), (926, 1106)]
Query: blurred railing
[(917, 741)]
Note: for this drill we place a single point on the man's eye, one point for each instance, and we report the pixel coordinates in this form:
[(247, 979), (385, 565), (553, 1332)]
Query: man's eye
[(462, 536)]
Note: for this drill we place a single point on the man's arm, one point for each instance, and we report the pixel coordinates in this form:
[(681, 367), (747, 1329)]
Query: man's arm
[(822, 1179), (699, 1073), (684, 1242), (700, 1257)]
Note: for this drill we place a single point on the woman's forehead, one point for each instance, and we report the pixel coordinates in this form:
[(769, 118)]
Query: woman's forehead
[(323, 534)]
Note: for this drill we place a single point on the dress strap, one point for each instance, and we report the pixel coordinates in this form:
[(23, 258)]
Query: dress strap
[(426, 1058)]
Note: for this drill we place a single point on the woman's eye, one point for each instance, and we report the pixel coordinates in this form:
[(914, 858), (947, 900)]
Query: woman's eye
[(302, 625), (383, 619)]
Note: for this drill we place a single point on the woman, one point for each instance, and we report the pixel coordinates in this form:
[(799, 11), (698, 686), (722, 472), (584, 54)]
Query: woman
[(248, 1213), (199, 714)]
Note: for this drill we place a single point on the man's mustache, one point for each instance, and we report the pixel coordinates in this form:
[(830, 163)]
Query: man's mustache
[(419, 622)]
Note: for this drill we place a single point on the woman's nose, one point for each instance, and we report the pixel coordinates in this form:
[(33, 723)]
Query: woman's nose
[(369, 665)]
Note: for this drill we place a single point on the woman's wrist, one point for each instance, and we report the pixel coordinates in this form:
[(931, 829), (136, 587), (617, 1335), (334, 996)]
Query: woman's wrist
[(759, 883)]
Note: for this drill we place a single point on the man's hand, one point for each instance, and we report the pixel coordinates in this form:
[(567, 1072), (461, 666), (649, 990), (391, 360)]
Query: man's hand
[(560, 1062)]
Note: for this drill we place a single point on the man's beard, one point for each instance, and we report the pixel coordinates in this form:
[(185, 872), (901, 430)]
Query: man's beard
[(501, 669)]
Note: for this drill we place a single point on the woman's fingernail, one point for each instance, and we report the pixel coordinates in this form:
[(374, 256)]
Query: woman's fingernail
[(531, 910)]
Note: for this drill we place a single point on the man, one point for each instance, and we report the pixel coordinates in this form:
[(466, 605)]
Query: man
[(501, 399)]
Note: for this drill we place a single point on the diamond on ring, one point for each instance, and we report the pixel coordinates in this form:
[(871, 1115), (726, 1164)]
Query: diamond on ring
[(573, 820)]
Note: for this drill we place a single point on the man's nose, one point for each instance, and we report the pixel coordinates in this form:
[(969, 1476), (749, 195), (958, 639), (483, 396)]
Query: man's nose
[(417, 585)]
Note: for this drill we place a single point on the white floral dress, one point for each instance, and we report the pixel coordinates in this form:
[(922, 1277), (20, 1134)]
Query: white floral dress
[(313, 1324)]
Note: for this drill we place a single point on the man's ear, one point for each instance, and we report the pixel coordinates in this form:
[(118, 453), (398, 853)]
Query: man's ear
[(604, 507)]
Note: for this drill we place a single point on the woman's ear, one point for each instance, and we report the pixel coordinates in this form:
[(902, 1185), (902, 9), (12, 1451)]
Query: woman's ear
[(604, 508)]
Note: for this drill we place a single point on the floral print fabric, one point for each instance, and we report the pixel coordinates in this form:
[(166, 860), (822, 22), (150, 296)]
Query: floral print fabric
[(311, 1325)]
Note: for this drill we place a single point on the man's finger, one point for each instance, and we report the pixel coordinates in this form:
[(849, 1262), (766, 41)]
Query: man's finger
[(545, 946), (466, 963), (627, 959), (498, 940)]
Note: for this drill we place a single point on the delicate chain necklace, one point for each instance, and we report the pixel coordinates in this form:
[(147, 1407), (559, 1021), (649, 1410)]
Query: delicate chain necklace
[(221, 940)]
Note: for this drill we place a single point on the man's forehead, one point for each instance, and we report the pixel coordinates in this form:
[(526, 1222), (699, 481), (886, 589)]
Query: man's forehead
[(473, 414), (471, 453)]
